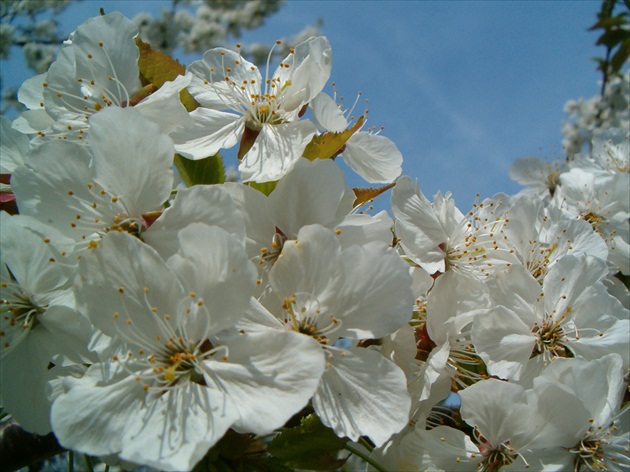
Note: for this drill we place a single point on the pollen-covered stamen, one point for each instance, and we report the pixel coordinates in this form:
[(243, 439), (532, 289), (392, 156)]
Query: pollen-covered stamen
[(162, 361), (599, 446), (551, 338), (592, 218), (469, 367), (495, 456), (474, 246), (271, 254), (305, 315), (538, 256), (260, 104), (93, 94), (98, 213), (552, 178), (129, 224), (18, 315)]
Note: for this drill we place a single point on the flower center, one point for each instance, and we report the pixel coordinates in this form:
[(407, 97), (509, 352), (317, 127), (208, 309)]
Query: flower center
[(592, 218), (304, 315), (19, 314), (277, 243), (264, 111), (551, 339), (495, 458)]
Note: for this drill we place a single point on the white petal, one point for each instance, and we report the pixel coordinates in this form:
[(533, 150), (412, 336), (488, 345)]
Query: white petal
[(13, 146), (59, 190), (271, 375), (209, 204), (116, 273), (312, 264), (31, 92), (362, 394), (259, 222), (503, 341), (442, 448), (28, 256), (90, 418), (25, 378), (374, 157), (566, 418), (418, 226), (375, 298), (104, 47), (213, 265), (597, 383), (175, 430), (209, 86), (312, 193), (32, 121), (363, 228), (310, 66), (452, 303), (211, 131), (327, 115), (121, 138), (164, 106), (276, 150), (501, 413)]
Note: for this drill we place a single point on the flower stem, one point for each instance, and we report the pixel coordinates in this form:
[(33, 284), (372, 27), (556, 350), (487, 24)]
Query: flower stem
[(70, 461), (88, 463), (364, 442), (351, 448)]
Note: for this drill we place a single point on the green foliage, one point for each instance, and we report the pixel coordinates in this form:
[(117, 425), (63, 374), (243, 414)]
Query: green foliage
[(203, 171), (239, 453), (615, 38), (264, 187), (156, 68), (311, 445)]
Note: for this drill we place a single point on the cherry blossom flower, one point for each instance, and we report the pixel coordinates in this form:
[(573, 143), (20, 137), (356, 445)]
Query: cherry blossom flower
[(602, 201), (311, 193), (439, 237), (372, 156), (510, 425), (83, 194), (39, 323), (96, 69), (183, 374), (540, 178), (542, 235), (267, 120), (570, 315), (327, 293)]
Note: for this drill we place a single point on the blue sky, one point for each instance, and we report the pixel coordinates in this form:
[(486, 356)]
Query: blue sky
[(462, 87)]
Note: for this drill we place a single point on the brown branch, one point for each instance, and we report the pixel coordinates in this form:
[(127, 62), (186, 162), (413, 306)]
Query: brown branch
[(19, 449)]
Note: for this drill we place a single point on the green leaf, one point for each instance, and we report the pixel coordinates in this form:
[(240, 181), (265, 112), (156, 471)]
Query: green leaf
[(239, 453), (264, 187), (203, 171), (328, 145), (621, 56), (311, 445), (157, 68)]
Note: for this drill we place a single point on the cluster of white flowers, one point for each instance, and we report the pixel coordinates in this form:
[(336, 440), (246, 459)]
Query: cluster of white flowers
[(142, 321), (589, 116)]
